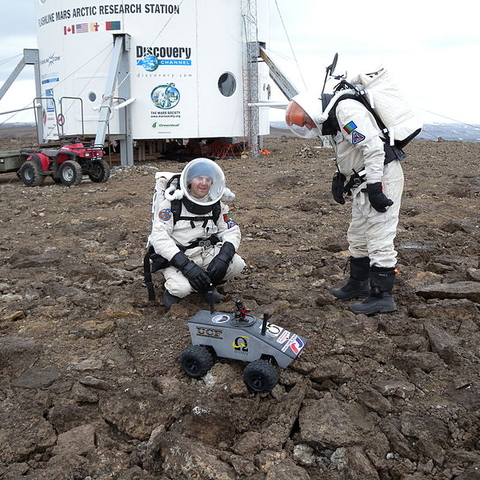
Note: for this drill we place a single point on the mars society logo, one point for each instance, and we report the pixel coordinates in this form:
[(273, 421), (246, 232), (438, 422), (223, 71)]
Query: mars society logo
[(165, 96)]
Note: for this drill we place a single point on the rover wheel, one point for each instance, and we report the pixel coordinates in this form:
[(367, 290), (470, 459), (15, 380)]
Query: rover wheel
[(196, 361), (260, 376), (70, 173), (99, 171), (31, 175)]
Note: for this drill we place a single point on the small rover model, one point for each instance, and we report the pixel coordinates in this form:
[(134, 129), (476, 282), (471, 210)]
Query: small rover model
[(244, 337), (66, 165)]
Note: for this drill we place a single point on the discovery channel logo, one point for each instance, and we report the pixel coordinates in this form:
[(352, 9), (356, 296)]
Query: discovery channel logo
[(150, 58)]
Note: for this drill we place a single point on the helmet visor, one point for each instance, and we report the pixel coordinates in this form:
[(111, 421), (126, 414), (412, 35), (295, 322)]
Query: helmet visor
[(202, 181), (299, 122)]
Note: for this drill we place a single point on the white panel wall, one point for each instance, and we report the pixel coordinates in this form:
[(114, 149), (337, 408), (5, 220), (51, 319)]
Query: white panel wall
[(178, 52)]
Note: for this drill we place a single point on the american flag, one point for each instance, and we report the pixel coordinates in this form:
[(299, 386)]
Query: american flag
[(82, 27)]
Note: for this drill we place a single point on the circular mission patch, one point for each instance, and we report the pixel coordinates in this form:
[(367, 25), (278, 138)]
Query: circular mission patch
[(165, 214)]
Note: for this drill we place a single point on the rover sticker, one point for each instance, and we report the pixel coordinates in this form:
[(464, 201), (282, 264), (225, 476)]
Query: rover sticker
[(272, 330), (220, 318), (209, 332), (295, 344), (240, 344), (284, 336)]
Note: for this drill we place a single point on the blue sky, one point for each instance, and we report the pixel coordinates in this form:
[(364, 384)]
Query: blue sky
[(431, 50)]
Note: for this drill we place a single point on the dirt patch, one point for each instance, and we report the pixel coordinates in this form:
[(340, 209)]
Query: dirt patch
[(90, 383)]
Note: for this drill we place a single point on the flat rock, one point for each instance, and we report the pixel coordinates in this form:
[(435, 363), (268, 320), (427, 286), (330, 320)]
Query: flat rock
[(467, 289)]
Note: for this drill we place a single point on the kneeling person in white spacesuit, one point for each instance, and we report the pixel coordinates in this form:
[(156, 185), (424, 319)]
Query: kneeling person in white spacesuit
[(375, 183), (201, 244)]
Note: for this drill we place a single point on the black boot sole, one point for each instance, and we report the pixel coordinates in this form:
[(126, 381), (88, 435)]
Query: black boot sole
[(349, 296)]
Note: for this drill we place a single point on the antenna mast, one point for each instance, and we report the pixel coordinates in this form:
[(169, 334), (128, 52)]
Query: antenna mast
[(251, 127)]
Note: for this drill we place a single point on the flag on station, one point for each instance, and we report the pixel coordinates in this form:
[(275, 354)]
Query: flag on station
[(117, 25), (82, 28)]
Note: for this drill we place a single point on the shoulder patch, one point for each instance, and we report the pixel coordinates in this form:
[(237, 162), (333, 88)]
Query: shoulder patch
[(357, 137), (228, 220), (350, 127), (165, 215)]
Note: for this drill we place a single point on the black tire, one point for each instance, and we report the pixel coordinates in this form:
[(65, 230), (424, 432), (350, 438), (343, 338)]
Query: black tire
[(196, 361), (31, 174), (260, 376), (99, 171), (70, 173)]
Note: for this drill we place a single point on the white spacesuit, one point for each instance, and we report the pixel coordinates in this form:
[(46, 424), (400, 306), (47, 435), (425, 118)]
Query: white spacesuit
[(376, 188), (200, 245)]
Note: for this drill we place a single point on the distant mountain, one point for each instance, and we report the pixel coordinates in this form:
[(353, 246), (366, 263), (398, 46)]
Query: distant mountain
[(450, 131), (17, 130), (447, 131), (460, 132)]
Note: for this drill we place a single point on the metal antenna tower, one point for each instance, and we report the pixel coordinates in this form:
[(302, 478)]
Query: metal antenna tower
[(251, 53)]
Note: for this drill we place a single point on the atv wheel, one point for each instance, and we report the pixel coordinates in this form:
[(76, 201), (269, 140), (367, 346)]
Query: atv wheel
[(70, 173), (99, 171), (30, 174), (260, 376), (196, 361)]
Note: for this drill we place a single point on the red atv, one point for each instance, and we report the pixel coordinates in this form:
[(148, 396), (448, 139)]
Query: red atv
[(66, 165)]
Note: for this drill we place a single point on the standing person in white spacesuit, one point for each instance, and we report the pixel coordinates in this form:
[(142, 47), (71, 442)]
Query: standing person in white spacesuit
[(200, 245), (375, 182)]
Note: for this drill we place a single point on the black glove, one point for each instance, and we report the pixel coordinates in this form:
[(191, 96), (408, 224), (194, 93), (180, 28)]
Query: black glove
[(337, 187), (377, 198), (197, 278), (219, 265)]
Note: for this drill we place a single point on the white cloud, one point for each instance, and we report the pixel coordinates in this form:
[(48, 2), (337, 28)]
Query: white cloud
[(430, 49), (19, 96)]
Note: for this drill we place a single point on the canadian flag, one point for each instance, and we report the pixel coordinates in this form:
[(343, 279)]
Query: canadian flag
[(67, 30)]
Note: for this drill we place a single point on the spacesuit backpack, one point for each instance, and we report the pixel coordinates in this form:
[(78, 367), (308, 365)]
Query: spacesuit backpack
[(379, 94)]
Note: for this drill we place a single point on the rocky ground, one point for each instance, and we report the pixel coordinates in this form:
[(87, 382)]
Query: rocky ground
[(90, 384)]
